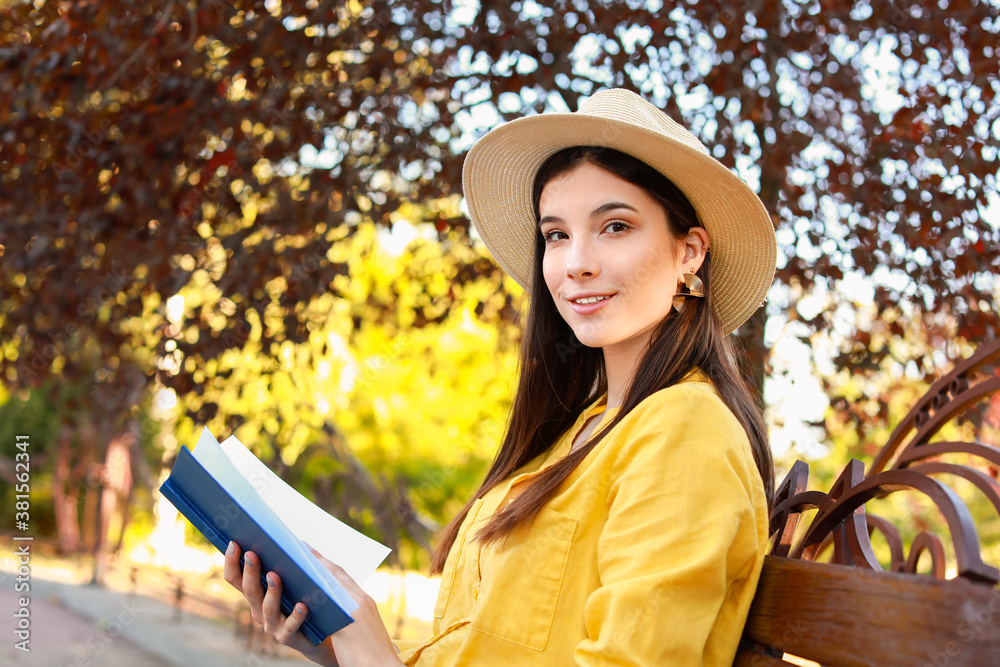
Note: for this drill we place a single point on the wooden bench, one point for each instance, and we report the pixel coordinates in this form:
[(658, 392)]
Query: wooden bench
[(852, 610)]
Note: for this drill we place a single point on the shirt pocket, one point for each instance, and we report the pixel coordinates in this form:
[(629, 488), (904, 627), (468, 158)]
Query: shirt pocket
[(522, 581), (454, 561)]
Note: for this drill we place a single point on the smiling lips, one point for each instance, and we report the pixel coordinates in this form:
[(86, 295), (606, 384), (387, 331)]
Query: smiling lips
[(585, 305)]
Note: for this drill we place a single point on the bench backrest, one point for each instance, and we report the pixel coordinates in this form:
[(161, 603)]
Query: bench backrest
[(850, 611), (838, 615)]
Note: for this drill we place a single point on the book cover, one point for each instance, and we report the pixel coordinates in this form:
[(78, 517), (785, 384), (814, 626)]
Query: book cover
[(228, 494)]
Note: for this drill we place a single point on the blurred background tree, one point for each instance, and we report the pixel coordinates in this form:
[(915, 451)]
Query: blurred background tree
[(228, 152), (386, 423)]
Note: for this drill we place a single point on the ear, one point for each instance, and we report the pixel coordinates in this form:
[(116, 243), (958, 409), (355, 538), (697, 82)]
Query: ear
[(695, 245)]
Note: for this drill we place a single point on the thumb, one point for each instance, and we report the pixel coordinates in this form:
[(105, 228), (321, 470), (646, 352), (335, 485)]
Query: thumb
[(335, 569), (321, 558), (339, 573)]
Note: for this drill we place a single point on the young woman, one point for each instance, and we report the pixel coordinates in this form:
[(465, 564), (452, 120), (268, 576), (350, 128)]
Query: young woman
[(624, 519)]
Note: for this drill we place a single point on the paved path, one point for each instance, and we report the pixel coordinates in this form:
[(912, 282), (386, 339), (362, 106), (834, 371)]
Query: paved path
[(59, 637), (86, 626)]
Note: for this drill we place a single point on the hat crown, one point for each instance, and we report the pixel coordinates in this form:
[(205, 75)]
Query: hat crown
[(624, 106)]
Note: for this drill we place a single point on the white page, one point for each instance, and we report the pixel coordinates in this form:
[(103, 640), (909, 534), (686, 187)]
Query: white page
[(210, 455), (358, 554)]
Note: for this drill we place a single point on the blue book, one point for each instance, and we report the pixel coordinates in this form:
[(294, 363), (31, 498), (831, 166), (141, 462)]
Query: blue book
[(230, 495)]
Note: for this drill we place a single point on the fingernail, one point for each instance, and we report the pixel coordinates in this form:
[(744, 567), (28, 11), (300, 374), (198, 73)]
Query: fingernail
[(299, 609), (249, 557), (229, 550), (270, 580)]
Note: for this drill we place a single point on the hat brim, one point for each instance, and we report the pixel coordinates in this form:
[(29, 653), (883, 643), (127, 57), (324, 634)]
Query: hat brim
[(499, 173)]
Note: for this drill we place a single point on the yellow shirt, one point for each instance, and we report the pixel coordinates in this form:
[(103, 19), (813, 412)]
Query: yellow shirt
[(649, 553)]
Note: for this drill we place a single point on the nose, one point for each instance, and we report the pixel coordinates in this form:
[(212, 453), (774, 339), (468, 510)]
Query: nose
[(581, 261)]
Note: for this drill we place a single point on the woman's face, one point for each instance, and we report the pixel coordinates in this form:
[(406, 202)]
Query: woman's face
[(611, 262)]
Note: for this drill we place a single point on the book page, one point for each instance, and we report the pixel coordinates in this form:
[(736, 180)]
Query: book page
[(211, 456), (358, 554)]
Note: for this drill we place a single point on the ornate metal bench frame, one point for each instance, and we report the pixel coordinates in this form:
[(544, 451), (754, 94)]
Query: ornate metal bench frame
[(867, 614), (905, 463)]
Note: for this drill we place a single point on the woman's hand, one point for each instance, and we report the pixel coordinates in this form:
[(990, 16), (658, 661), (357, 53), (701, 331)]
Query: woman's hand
[(265, 607), (365, 642)]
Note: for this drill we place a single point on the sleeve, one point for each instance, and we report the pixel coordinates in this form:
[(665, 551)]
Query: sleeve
[(681, 527)]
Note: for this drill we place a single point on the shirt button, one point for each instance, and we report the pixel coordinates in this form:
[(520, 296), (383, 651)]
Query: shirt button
[(475, 592)]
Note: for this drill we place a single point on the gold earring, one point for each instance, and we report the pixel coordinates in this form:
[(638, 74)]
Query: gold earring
[(679, 299), (694, 284)]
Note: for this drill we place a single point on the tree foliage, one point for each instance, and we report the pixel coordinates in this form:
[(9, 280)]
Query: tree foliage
[(157, 146), (147, 142), (386, 424), (232, 147)]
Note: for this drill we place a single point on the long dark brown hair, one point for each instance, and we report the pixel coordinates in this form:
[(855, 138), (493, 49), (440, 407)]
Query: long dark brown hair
[(559, 376)]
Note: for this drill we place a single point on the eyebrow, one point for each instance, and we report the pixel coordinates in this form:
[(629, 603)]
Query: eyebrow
[(603, 208)]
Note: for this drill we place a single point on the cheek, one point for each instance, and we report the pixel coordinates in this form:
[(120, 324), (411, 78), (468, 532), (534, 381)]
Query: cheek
[(551, 271)]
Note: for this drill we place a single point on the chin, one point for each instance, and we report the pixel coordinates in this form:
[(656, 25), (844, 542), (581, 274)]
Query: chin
[(591, 340)]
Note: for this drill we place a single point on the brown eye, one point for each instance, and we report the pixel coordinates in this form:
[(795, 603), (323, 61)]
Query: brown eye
[(616, 227)]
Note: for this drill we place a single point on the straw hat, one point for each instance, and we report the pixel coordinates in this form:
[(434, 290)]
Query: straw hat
[(500, 170)]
